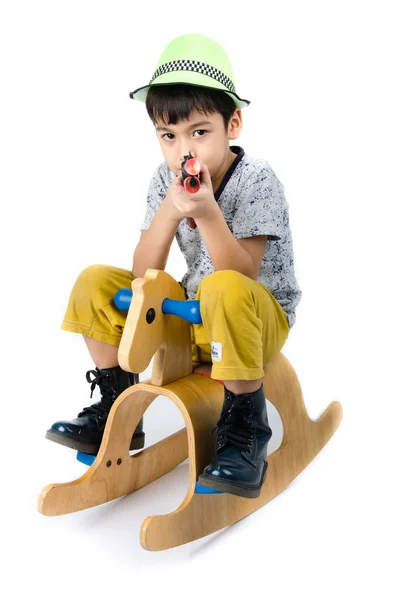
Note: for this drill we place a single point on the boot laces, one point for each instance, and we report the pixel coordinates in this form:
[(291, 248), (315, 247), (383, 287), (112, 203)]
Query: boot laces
[(235, 424), (100, 409)]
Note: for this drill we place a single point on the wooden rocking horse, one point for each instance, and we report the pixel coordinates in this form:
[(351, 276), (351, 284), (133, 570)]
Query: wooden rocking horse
[(153, 328)]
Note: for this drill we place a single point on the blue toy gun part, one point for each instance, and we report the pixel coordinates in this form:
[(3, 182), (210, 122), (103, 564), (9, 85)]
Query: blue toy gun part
[(186, 309)]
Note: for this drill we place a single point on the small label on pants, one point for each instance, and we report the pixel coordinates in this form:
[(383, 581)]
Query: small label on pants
[(216, 351)]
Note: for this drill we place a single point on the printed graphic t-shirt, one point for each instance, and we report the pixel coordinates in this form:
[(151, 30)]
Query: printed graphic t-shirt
[(252, 201)]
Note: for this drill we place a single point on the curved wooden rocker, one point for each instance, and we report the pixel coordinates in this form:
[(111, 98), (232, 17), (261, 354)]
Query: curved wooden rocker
[(152, 331)]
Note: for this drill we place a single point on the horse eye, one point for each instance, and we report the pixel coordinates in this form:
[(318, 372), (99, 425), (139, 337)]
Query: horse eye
[(150, 315)]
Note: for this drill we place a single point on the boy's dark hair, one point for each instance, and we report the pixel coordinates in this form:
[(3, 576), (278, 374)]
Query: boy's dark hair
[(174, 103)]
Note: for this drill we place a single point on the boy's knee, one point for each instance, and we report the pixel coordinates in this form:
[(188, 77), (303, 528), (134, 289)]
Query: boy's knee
[(223, 280), (93, 274), (223, 288)]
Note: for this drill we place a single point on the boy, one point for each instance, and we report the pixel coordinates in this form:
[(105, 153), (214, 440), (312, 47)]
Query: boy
[(234, 234)]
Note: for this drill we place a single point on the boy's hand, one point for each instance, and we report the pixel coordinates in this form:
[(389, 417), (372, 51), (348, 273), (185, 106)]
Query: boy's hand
[(197, 205)]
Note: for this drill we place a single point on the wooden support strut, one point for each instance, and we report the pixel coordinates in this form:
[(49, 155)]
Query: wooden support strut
[(115, 473)]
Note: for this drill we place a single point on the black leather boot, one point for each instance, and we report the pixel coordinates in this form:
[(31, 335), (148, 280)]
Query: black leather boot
[(85, 433), (239, 465)]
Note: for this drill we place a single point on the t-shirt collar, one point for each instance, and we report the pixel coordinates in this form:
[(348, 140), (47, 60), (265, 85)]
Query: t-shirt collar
[(240, 153)]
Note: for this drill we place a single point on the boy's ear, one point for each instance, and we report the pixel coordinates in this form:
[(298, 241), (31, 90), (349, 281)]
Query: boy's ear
[(235, 124)]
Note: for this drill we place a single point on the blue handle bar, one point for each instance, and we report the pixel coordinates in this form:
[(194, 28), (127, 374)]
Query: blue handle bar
[(186, 309)]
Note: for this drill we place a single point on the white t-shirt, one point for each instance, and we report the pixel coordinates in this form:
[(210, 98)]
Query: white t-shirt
[(252, 201)]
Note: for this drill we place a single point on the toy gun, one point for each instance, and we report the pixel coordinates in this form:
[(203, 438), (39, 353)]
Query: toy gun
[(190, 173)]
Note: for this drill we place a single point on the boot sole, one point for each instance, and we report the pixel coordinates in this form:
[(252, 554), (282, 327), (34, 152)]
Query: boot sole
[(137, 442), (221, 485)]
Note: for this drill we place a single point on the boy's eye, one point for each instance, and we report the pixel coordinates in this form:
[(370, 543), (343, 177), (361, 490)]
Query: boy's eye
[(201, 133)]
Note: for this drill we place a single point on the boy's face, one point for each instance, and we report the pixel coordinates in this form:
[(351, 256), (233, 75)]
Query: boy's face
[(202, 135)]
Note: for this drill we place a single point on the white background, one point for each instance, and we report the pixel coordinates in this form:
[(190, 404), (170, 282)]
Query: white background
[(76, 158)]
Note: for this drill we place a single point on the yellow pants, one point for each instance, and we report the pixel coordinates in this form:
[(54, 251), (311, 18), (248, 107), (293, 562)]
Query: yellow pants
[(243, 327)]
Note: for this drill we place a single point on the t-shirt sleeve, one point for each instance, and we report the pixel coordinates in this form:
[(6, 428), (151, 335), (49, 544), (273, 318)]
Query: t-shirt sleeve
[(261, 207), (156, 193)]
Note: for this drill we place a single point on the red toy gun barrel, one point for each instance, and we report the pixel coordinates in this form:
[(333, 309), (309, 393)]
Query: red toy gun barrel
[(191, 174)]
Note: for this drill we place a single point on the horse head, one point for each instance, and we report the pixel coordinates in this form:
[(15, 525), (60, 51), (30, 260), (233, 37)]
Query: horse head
[(157, 324)]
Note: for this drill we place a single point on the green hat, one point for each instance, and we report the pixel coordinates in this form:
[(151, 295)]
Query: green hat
[(193, 59)]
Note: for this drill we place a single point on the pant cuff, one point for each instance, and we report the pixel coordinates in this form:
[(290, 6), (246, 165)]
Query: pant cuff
[(108, 338), (223, 374)]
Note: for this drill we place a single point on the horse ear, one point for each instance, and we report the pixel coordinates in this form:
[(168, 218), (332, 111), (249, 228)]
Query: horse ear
[(186, 309)]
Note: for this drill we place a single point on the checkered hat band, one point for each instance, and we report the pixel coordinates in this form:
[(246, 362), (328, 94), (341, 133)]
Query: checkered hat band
[(198, 67)]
